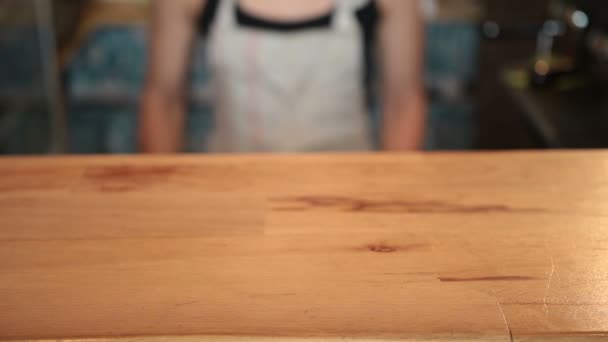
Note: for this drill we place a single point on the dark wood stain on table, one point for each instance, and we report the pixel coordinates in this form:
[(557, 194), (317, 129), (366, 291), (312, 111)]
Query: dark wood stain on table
[(125, 178), (386, 248), (488, 278), (122, 172), (346, 204)]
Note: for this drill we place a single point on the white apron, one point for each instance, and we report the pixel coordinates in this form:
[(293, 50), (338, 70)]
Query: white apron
[(288, 92)]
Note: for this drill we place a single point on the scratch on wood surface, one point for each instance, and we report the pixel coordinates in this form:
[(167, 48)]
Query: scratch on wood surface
[(504, 317), (546, 308)]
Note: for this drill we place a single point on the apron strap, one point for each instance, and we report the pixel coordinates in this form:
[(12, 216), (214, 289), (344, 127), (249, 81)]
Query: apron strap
[(226, 16), (345, 13)]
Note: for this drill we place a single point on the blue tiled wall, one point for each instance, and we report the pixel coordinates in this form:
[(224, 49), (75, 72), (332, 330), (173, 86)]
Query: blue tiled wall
[(24, 118), (103, 85)]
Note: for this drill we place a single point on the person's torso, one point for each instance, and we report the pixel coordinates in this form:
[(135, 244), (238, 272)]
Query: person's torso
[(290, 85)]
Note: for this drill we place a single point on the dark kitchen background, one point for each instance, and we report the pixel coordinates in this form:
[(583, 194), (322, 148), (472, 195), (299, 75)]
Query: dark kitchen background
[(501, 74)]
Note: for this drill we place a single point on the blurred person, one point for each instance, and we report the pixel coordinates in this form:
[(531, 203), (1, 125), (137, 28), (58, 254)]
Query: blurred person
[(288, 75)]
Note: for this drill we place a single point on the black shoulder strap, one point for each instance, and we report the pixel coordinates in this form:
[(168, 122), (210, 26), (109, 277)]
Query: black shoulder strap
[(207, 16)]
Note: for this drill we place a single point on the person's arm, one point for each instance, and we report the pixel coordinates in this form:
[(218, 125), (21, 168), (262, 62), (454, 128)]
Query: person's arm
[(401, 39), (163, 103)]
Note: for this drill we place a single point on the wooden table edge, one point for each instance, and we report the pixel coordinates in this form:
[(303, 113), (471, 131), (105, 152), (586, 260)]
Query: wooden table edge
[(413, 338)]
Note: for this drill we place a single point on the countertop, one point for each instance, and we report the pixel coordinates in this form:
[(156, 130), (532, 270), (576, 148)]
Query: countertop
[(361, 247)]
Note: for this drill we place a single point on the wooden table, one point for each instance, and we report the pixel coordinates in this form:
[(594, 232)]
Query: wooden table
[(414, 247)]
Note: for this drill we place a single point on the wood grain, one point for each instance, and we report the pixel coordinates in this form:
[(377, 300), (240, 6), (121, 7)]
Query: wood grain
[(412, 247)]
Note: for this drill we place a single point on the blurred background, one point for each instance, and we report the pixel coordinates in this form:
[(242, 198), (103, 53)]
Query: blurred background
[(500, 74)]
